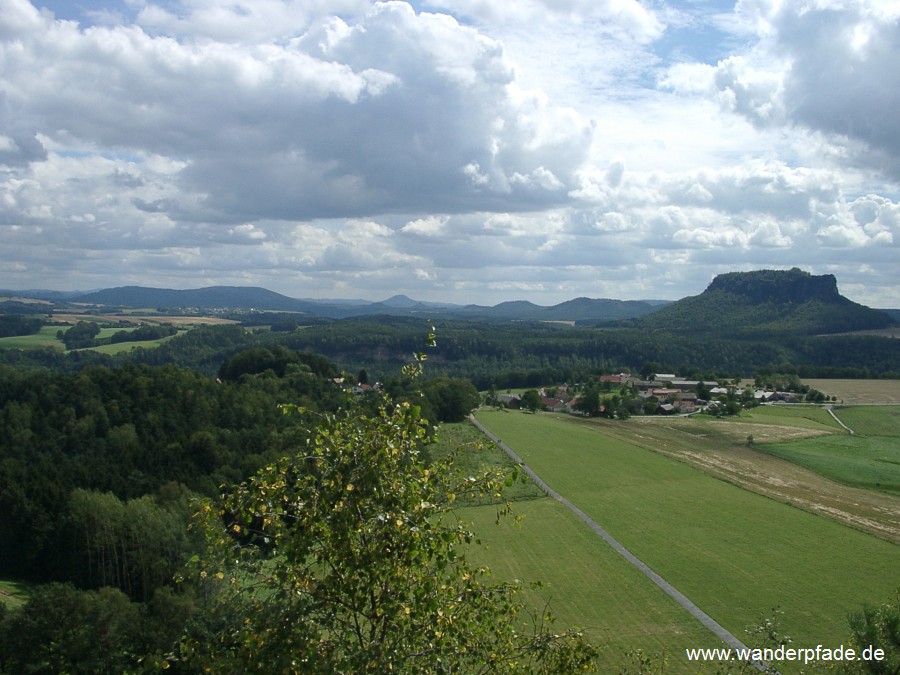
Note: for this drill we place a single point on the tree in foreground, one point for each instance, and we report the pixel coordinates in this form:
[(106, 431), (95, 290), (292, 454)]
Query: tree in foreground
[(879, 627), (349, 557)]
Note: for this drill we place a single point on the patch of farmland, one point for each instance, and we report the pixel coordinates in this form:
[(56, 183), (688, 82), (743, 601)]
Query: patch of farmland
[(860, 392), (872, 420), (734, 553), (161, 319), (868, 458), (46, 337), (184, 321), (789, 415), (703, 432), (117, 347), (584, 583), (722, 449), (871, 462)]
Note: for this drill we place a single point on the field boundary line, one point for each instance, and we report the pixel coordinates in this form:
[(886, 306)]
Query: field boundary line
[(714, 626)]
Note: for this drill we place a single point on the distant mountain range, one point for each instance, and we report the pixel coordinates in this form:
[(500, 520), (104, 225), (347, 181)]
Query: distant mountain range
[(241, 298), (740, 303)]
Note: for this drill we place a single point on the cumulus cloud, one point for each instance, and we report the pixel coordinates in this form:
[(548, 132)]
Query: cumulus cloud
[(464, 151), (616, 15), (241, 22), (432, 226), (384, 114), (826, 66)]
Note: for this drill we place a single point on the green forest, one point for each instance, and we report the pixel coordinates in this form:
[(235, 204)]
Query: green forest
[(103, 466), (506, 354)]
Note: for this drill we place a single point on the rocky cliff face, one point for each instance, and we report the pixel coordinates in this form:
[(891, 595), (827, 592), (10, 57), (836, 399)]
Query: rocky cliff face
[(779, 286)]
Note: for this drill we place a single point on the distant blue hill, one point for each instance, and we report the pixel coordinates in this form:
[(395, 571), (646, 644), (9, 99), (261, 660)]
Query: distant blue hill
[(751, 303), (223, 298), (212, 297)]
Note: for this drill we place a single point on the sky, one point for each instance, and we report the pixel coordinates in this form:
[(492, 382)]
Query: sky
[(462, 151)]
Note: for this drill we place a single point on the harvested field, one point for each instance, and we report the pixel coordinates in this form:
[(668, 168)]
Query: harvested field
[(719, 447), (860, 392), (137, 320)]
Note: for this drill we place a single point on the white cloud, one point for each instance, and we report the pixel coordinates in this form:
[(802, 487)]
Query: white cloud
[(825, 66), (629, 16), (241, 22), (462, 153), (383, 115), (432, 226)]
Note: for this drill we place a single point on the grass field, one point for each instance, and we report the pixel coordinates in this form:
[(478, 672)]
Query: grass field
[(46, 337), (793, 415), (13, 593), (734, 553), (595, 589), (127, 346), (869, 458), (474, 453), (869, 462), (722, 448), (871, 420), (585, 582)]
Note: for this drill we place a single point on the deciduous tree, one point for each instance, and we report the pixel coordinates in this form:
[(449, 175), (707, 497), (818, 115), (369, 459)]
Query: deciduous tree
[(531, 400), (349, 557), (877, 627)]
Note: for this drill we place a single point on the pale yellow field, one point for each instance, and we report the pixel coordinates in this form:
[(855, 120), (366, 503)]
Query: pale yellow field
[(156, 319), (855, 392), (860, 392)]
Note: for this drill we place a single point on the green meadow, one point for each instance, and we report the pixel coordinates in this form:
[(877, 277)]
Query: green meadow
[(868, 458), (14, 593), (46, 337), (736, 554), (584, 583), (127, 346), (808, 417), (871, 420)]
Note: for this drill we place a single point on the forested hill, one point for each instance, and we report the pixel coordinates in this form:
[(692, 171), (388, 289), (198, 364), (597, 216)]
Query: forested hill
[(585, 310), (766, 302), (210, 297)]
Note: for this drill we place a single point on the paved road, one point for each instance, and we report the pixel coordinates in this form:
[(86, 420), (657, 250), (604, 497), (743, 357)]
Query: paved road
[(720, 631)]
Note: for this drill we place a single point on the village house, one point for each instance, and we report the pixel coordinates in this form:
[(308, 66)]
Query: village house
[(512, 401), (665, 377), (555, 404), (691, 385), (764, 396)]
